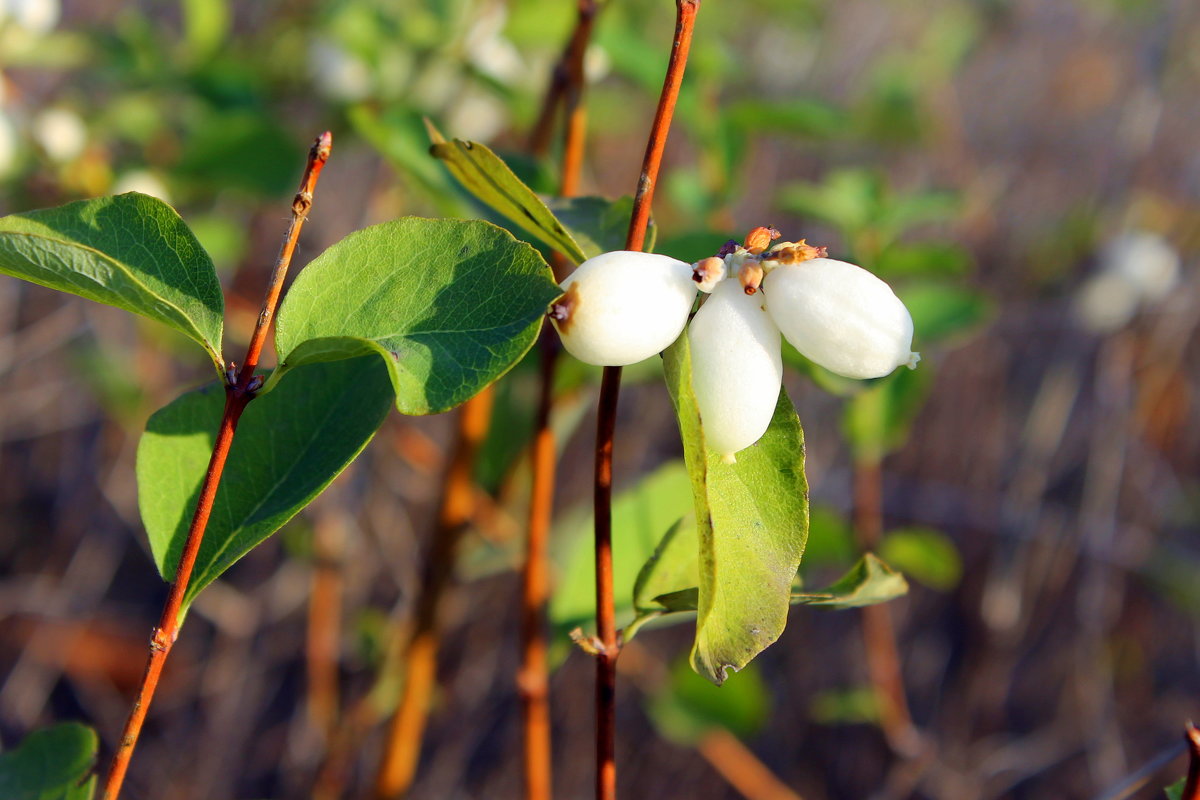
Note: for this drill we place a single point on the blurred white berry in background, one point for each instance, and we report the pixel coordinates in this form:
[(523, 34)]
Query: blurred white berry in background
[(35, 16), (338, 74), (8, 145), (142, 181), (60, 133), (1134, 269)]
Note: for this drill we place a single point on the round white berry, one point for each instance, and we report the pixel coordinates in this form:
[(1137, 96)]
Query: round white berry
[(623, 307), (736, 368), (840, 316)]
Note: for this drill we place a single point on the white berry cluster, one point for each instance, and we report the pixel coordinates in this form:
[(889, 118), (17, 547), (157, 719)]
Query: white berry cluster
[(622, 307)]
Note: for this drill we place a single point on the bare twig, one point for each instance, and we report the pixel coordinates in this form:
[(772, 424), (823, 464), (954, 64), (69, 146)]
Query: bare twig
[(324, 620), (606, 660), (238, 394)]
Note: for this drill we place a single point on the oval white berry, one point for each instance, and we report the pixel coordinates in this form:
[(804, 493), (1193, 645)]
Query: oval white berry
[(840, 316), (623, 307), (736, 368)]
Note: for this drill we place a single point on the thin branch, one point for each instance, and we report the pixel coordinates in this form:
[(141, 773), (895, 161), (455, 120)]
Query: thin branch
[(238, 394), (403, 745), (606, 660)]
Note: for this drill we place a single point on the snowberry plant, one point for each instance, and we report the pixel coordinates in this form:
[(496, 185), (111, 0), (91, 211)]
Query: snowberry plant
[(416, 314)]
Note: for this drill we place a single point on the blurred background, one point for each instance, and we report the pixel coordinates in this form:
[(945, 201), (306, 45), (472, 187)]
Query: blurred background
[(1025, 172)]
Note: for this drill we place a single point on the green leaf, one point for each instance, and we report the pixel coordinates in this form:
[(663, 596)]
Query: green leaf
[(852, 706), (941, 311), (50, 764), (687, 707), (289, 445), (1175, 790), (877, 420), (485, 175), (130, 251), (870, 581), (924, 260), (598, 225), (450, 305), (927, 555), (248, 150), (398, 133), (640, 515), (752, 521)]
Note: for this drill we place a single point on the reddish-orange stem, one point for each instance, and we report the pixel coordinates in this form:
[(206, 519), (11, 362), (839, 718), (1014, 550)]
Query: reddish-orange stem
[(237, 397), (606, 631), (403, 746)]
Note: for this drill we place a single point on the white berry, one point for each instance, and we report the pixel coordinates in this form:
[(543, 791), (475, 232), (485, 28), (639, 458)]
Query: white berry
[(736, 368), (840, 316), (623, 307)]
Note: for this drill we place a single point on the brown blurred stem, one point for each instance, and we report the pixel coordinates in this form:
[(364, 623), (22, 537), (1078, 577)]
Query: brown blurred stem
[(606, 419), (566, 82), (1191, 787), (238, 394), (879, 635), (533, 679), (324, 620), (403, 744)]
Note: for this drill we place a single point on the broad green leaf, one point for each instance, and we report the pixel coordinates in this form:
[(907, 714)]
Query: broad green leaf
[(752, 521), (1175, 790), (130, 251), (50, 764), (941, 311), (84, 791), (925, 554), (687, 707), (450, 306), (598, 225), (640, 515), (289, 445), (485, 175), (870, 581)]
